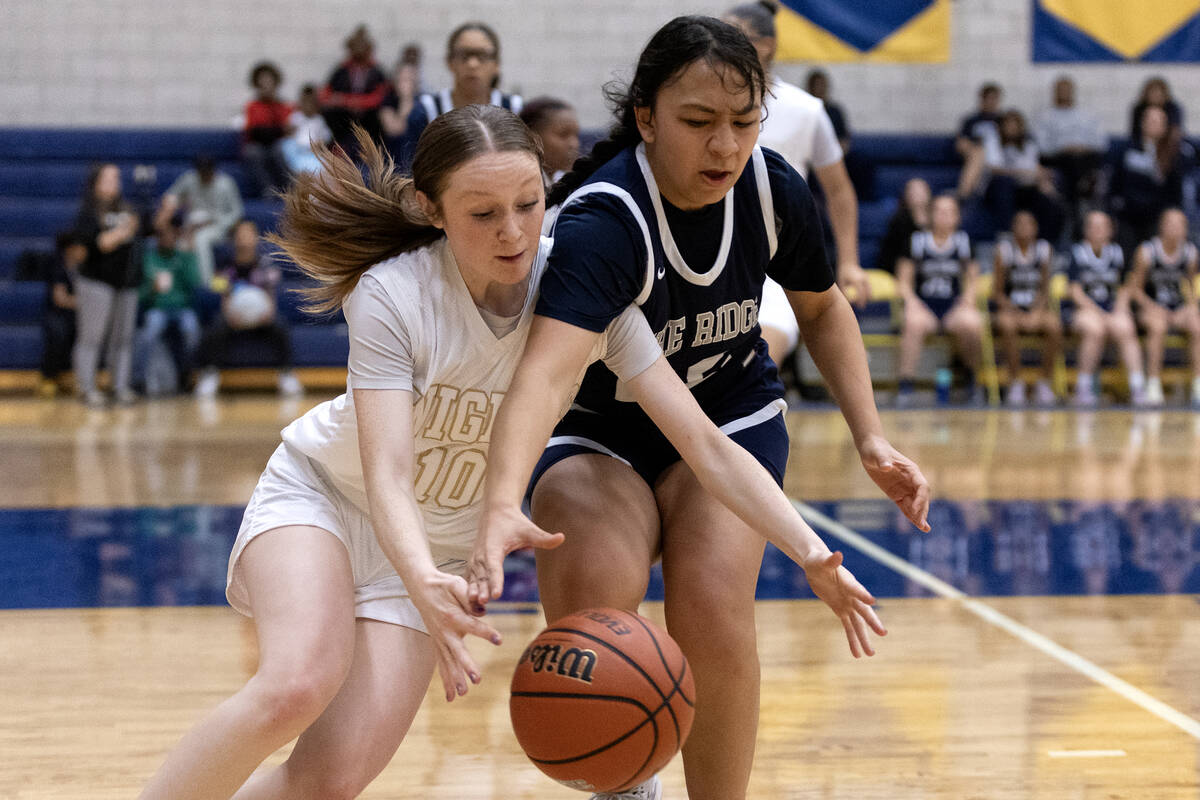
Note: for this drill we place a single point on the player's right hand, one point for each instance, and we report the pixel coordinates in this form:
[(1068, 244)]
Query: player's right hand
[(501, 531), (442, 600)]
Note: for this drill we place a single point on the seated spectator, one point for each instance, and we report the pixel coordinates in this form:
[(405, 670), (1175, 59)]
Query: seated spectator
[(972, 132), (555, 123), (354, 92), (170, 279), (267, 121), (307, 127), (1099, 309), (473, 57), (247, 267), (1148, 177), (911, 216), (817, 84), (937, 284), (1073, 144), (1161, 285), (1016, 179), (402, 94), (210, 203), (106, 289), (1156, 93), (1021, 294), (58, 323)]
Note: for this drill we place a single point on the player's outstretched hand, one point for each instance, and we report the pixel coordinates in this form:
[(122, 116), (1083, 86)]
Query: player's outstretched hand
[(501, 531), (899, 477), (442, 600), (842, 592)]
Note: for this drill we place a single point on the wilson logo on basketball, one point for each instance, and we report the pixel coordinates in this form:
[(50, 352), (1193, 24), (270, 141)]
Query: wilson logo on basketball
[(573, 662)]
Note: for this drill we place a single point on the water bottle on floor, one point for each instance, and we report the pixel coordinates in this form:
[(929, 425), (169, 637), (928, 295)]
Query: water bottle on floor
[(942, 381)]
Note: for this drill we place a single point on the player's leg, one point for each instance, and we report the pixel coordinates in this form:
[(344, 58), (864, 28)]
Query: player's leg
[(1155, 320), (1005, 323), (1189, 321), (301, 592), (965, 324), (1048, 326), (1089, 325), (611, 522), (917, 324), (1123, 332), (711, 561), (358, 733)]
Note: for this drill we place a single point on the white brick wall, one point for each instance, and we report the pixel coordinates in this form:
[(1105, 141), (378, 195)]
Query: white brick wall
[(141, 63)]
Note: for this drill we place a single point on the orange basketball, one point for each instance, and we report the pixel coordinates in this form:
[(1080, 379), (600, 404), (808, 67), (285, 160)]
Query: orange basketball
[(602, 700)]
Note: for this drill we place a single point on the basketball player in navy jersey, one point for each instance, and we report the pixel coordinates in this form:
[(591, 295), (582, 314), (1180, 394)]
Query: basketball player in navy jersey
[(1021, 293), (681, 214), (937, 283), (1161, 284)]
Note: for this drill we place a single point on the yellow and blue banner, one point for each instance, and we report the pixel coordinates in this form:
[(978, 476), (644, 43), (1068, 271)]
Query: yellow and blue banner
[(1116, 30), (863, 30)]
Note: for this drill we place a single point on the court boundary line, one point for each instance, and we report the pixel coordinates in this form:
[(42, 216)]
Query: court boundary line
[(1000, 620)]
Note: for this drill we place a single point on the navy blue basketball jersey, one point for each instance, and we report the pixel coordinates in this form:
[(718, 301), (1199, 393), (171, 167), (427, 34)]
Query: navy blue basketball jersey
[(1164, 279), (697, 275), (437, 103), (1023, 270), (940, 268), (1099, 275)]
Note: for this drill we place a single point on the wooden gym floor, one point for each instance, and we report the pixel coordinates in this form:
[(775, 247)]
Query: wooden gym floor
[(1056, 657)]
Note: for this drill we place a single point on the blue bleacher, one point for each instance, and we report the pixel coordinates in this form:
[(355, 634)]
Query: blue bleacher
[(42, 172)]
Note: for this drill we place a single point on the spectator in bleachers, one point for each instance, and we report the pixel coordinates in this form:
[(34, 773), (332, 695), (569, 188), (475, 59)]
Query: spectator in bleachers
[(911, 216), (267, 122), (798, 126), (307, 126), (1161, 284), (170, 279), (1073, 144), (473, 57), (58, 323), (1021, 294), (972, 132), (1148, 177), (1099, 309), (210, 203), (817, 84), (937, 284), (355, 91), (1156, 93), (247, 267), (402, 94), (1017, 181), (106, 289), (555, 123)]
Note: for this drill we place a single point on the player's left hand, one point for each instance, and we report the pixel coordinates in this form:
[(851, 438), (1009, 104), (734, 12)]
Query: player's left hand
[(899, 477), (852, 279), (842, 592), (501, 531)]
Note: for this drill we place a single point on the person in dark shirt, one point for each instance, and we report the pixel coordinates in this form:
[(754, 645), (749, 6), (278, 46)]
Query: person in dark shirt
[(106, 289), (1148, 178), (911, 216), (817, 84), (355, 91), (58, 323), (972, 134), (1156, 93), (266, 124)]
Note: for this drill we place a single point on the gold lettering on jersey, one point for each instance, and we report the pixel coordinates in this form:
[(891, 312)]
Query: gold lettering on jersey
[(472, 411), (463, 416), (727, 322), (670, 338), (451, 475), (442, 400)]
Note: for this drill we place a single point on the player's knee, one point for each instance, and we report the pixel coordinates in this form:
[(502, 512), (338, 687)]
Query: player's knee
[(344, 781), (294, 698)]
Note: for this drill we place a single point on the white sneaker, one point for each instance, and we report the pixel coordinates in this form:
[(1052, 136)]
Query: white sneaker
[(289, 384), (1154, 393), (208, 383), (1043, 394), (1016, 395), (1085, 397), (650, 790)]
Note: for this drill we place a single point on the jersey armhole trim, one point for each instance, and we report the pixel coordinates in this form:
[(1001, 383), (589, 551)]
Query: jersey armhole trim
[(763, 181), (604, 187)]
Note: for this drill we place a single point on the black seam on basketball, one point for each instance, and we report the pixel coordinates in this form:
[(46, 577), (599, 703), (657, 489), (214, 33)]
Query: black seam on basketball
[(676, 688), (653, 683)]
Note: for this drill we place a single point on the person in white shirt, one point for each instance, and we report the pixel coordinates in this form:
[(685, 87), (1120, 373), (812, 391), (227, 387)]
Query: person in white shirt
[(307, 127), (1016, 179), (796, 126), (1072, 143)]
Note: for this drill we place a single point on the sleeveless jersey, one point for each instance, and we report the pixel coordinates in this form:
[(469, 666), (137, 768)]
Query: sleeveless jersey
[(1164, 279), (703, 312), (940, 269), (459, 374), (1099, 275), (437, 103), (1023, 271)]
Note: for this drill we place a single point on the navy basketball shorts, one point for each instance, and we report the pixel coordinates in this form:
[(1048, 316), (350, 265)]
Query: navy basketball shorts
[(633, 439)]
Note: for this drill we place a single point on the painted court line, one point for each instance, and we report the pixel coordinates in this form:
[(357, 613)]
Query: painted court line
[(1086, 753), (988, 614)]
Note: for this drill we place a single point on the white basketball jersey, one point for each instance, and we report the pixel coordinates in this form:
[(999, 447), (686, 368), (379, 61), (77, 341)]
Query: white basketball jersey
[(460, 372)]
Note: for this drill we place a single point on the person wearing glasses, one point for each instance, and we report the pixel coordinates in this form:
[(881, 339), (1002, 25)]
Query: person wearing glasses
[(473, 56)]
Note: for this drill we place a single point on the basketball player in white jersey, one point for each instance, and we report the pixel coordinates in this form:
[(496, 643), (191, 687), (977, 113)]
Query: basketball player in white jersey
[(797, 127), (1161, 285)]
